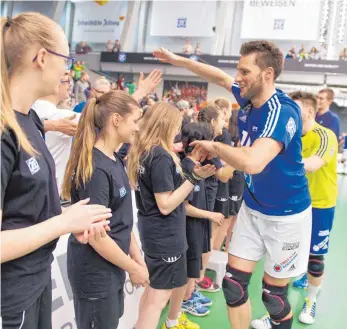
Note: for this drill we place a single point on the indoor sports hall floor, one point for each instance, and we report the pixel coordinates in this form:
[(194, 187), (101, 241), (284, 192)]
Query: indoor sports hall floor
[(331, 306)]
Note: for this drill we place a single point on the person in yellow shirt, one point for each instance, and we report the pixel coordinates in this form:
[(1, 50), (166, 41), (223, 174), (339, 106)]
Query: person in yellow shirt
[(319, 152)]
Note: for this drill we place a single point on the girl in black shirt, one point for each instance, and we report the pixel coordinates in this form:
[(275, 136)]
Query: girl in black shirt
[(34, 57), (97, 270), (155, 171)]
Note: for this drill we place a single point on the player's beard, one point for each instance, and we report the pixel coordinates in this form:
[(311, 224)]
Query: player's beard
[(255, 88)]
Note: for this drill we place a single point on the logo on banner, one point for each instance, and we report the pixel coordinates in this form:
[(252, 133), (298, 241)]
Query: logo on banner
[(279, 24), (181, 23), (122, 57)]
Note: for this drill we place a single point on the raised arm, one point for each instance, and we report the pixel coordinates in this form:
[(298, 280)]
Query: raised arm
[(207, 72)]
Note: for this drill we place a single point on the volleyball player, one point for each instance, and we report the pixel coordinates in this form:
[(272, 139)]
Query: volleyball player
[(34, 58), (97, 270), (320, 149), (154, 169), (270, 132)]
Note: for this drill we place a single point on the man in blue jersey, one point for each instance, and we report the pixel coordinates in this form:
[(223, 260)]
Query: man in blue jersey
[(275, 219), (325, 117)]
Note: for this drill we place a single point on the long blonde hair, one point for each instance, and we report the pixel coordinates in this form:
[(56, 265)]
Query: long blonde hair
[(94, 117), (158, 126), (17, 35)]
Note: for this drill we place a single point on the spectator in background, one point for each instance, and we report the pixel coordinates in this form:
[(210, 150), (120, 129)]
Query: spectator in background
[(302, 53), (80, 86), (109, 46), (184, 108), (99, 87), (78, 68), (314, 53), (291, 53), (324, 116), (132, 87), (197, 49), (343, 54), (58, 143), (188, 48), (116, 47), (120, 82)]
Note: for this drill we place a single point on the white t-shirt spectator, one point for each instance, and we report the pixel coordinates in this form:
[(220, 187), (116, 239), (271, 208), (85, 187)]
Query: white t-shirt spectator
[(58, 143)]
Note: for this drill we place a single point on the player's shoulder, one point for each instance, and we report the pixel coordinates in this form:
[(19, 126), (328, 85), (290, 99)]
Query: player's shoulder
[(334, 115), (323, 133), (286, 103)]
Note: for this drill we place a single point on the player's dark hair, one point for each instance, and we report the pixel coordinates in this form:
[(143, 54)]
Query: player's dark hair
[(209, 113), (195, 131), (305, 97), (268, 55)]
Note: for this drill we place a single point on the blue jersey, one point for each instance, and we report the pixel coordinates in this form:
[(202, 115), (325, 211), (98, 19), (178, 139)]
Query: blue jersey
[(331, 121), (281, 188)]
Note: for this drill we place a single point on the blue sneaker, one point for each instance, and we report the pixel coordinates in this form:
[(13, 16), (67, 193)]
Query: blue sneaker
[(194, 308), (200, 298), (308, 312), (301, 283)]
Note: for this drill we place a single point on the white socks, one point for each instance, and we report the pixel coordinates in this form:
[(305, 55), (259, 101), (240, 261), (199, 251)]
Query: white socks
[(171, 323), (313, 292)]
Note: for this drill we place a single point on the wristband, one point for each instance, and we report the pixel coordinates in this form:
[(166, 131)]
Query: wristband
[(196, 176), (191, 179)]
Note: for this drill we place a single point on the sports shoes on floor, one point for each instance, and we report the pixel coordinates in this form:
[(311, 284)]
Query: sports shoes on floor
[(194, 308), (308, 312), (262, 323), (206, 284), (200, 298), (185, 323), (301, 283)]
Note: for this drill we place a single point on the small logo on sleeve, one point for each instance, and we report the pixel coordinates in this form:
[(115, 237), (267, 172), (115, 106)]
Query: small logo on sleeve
[(122, 192), (291, 128), (33, 165), (196, 188)]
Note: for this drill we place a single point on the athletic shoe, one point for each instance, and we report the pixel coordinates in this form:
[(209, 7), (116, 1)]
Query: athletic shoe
[(185, 323), (262, 323), (194, 308), (206, 284), (200, 298), (175, 327), (301, 283), (308, 312)]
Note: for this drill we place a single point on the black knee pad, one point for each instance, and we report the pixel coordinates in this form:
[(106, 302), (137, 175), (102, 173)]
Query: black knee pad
[(276, 301), (235, 286), (316, 265)]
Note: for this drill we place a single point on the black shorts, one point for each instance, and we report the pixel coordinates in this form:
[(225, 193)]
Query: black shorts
[(37, 316), (194, 267), (236, 188), (206, 246), (222, 206), (167, 273), (100, 313), (235, 205)]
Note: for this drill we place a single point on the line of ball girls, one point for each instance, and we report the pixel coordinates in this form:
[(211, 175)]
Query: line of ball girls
[(175, 195)]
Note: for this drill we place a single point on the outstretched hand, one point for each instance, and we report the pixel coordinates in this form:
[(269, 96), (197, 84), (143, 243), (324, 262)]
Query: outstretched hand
[(148, 85), (206, 149), (166, 56)]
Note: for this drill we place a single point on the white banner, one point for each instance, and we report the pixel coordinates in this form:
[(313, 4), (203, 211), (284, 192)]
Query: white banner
[(183, 19), (63, 316), (281, 19), (99, 23)]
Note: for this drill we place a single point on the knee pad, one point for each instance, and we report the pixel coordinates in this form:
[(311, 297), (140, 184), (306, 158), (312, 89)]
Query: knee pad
[(276, 301), (316, 265), (235, 287)]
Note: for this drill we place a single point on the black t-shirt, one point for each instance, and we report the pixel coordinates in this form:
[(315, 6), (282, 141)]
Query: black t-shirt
[(223, 188), (237, 182), (212, 183), (124, 150), (29, 196), (90, 274), (161, 236), (197, 198)]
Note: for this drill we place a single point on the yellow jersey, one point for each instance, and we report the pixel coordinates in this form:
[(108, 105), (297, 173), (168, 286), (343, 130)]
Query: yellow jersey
[(322, 183)]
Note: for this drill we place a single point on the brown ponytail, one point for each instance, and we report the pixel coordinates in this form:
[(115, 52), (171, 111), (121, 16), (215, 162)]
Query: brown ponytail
[(8, 117), (94, 116)]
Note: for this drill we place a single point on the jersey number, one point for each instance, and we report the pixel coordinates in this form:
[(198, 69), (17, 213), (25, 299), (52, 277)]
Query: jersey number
[(246, 140)]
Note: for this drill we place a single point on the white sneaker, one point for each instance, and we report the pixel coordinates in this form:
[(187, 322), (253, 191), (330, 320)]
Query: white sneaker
[(262, 323), (308, 312)]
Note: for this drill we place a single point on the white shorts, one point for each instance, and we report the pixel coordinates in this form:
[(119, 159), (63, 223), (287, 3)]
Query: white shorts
[(284, 240)]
